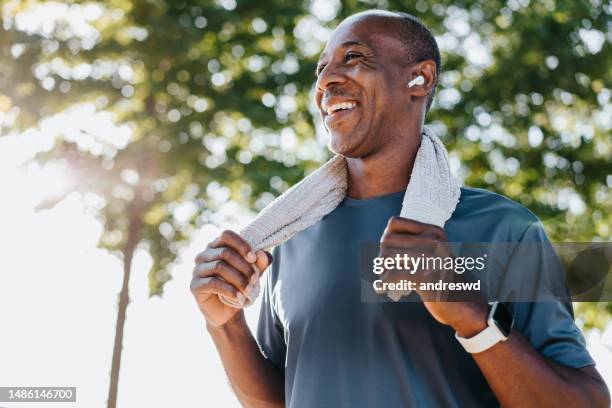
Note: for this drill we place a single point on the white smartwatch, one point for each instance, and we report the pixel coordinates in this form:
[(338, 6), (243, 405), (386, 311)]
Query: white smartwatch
[(499, 320)]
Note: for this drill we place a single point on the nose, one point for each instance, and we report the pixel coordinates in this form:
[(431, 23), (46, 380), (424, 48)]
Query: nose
[(329, 76)]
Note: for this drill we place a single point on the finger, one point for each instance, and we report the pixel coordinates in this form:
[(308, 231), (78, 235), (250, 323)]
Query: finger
[(393, 244), (235, 241), (215, 286), (228, 255), (400, 224), (203, 256), (224, 270), (404, 225), (264, 259), (408, 241), (394, 276)]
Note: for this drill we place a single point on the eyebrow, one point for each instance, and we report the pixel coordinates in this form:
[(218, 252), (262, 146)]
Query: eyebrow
[(347, 44)]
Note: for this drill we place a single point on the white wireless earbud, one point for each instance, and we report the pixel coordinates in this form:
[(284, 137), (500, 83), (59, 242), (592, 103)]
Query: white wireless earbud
[(416, 81)]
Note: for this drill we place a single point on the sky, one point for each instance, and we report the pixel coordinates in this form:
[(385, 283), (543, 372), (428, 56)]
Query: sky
[(58, 304)]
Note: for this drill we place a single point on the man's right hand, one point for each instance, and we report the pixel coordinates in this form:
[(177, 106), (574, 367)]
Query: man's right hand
[(224, 268)]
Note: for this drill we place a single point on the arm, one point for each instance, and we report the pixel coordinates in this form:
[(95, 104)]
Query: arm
[(520, 376), (224, 268), (255, 380), (516, 372)]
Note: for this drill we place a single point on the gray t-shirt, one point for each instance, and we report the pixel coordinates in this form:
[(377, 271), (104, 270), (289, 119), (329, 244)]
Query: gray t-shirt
[(337, 351)]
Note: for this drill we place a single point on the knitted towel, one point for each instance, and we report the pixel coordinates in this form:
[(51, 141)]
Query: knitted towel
[(431, 197)]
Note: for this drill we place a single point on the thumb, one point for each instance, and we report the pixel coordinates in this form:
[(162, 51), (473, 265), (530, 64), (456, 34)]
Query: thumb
[(264, 259)]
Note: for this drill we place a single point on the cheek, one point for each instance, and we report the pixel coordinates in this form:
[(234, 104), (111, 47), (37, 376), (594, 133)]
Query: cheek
[(378, 96), (388, 93)]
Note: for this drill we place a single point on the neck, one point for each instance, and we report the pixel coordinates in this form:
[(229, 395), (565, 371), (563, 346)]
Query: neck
[(387, 170)]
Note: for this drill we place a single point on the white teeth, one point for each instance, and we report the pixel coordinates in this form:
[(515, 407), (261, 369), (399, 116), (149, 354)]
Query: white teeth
[(337, 106)]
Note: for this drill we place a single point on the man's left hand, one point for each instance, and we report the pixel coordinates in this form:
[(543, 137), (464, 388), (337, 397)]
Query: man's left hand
[(404, 236)]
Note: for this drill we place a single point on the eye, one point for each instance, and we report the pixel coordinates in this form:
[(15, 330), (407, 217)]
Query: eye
[(350, 56)]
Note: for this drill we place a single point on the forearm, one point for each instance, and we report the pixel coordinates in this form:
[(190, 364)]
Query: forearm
[(520, 376), (255, 381)]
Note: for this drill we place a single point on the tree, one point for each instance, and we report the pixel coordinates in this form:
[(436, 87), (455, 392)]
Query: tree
[(192, 94), (217, 97)]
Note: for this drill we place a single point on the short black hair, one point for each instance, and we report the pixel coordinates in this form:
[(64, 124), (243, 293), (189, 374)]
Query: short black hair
[(419, 42), (420, 45)]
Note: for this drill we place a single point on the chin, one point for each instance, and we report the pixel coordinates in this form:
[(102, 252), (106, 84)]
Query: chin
[(346, 145)]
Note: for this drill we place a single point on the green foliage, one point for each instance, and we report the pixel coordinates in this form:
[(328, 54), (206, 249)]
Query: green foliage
[(218, 100)]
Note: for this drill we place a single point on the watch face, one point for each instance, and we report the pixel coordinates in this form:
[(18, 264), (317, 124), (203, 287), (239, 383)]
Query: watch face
[(503, 319)]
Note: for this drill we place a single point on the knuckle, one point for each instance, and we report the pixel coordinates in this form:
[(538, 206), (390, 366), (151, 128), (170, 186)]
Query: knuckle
[(435, 234), (220, 286), (227, 234), (201, 257), (214, 284), (218, 266), (225, 253), (244, 245), (197, 285), (228, 289)]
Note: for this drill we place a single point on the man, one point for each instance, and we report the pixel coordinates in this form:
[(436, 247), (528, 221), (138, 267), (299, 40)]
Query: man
[(318, 344)]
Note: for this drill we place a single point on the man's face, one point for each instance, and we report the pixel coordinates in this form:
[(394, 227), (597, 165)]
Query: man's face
[(361, 85)]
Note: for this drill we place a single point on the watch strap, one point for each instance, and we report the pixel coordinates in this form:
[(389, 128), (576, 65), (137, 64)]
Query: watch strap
[(482, 341)]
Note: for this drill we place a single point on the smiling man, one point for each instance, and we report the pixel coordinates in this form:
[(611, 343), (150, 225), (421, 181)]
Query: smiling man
[(318, 344)]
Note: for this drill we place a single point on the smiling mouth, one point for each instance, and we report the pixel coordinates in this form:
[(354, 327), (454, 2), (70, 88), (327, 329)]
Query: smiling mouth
[(336, 113), (338, 107)]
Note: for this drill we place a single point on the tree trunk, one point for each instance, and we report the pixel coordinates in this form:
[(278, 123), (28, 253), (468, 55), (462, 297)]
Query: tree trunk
[(135, 224)]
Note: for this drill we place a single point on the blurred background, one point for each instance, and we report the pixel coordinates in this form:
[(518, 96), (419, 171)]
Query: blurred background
[(132, 131)]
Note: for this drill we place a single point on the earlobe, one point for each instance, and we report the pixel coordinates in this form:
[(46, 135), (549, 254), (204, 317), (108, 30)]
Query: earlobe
[(419, 80)]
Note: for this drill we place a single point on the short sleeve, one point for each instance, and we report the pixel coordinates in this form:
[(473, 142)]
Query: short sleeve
[(549, 325), (270, 330)]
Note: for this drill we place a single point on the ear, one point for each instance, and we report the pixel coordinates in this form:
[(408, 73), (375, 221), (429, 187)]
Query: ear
[(427, 70)]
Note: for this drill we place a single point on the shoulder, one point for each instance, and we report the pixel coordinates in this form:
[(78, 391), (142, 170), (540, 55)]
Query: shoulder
[(486, 211), (477, 199)]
